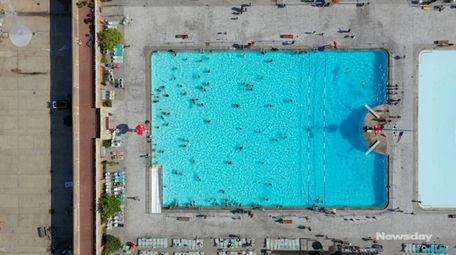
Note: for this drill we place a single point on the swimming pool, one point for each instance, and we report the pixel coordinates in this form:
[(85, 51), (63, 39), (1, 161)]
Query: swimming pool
[(436, 129), (272, 129)]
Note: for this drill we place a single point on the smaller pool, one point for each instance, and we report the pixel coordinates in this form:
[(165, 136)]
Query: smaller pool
[(437, 129)]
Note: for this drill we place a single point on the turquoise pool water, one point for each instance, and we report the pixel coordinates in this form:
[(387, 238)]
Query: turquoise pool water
[(273, 129)]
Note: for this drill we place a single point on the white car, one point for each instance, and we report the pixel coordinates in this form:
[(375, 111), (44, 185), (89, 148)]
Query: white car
[(60, 104)]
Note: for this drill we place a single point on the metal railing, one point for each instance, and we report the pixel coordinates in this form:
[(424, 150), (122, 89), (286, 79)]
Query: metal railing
[(75, 112)]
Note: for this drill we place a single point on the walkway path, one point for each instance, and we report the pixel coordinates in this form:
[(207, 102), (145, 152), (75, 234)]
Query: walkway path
[(87, 124)]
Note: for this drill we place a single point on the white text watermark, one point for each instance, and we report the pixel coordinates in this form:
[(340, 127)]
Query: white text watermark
[(403, 237)]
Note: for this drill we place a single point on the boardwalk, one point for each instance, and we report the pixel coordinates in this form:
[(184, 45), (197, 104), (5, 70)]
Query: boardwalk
[(87, 135)]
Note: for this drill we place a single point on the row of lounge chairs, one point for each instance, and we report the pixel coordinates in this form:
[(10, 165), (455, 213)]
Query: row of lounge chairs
[(234, 243), (118, 50), (152, 243), (152, 253), (189, 253), (166, 253), (116, 221), (113, 24), (236, 253), (114, 181), (282, 244), (425, 248), (119, 83), (115, 185), (108, 95), (353, 249), (117, 54), (117, 59), (191, 244)]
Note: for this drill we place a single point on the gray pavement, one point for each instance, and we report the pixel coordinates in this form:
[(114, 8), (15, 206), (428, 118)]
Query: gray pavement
[(35, 144), (389, 24), (25, 180)]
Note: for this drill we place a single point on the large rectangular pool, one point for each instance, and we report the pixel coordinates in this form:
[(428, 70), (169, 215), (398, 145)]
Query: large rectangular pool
[(437, 129), (268, 129)]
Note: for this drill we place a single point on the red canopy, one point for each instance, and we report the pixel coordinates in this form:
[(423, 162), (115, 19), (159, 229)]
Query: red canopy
[(377, 129), (140, 129)]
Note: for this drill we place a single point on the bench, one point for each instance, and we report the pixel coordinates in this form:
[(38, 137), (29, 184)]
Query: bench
[(287, 36), (287, 222)]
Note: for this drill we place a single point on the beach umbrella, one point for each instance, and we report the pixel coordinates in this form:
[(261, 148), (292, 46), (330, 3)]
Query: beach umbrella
[(377, 129), (140, 129), (132, 246)]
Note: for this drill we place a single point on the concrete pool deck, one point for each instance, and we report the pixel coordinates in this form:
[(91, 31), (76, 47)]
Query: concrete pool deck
[(388, 24)]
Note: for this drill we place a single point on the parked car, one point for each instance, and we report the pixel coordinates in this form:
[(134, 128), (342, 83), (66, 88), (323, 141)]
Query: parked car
[(60, 104)]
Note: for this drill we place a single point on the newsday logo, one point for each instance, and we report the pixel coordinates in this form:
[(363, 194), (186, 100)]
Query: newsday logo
[(403, 237)]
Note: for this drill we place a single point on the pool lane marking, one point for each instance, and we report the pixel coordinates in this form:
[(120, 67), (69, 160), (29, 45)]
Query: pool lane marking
[(324, 132), (309, 117)]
